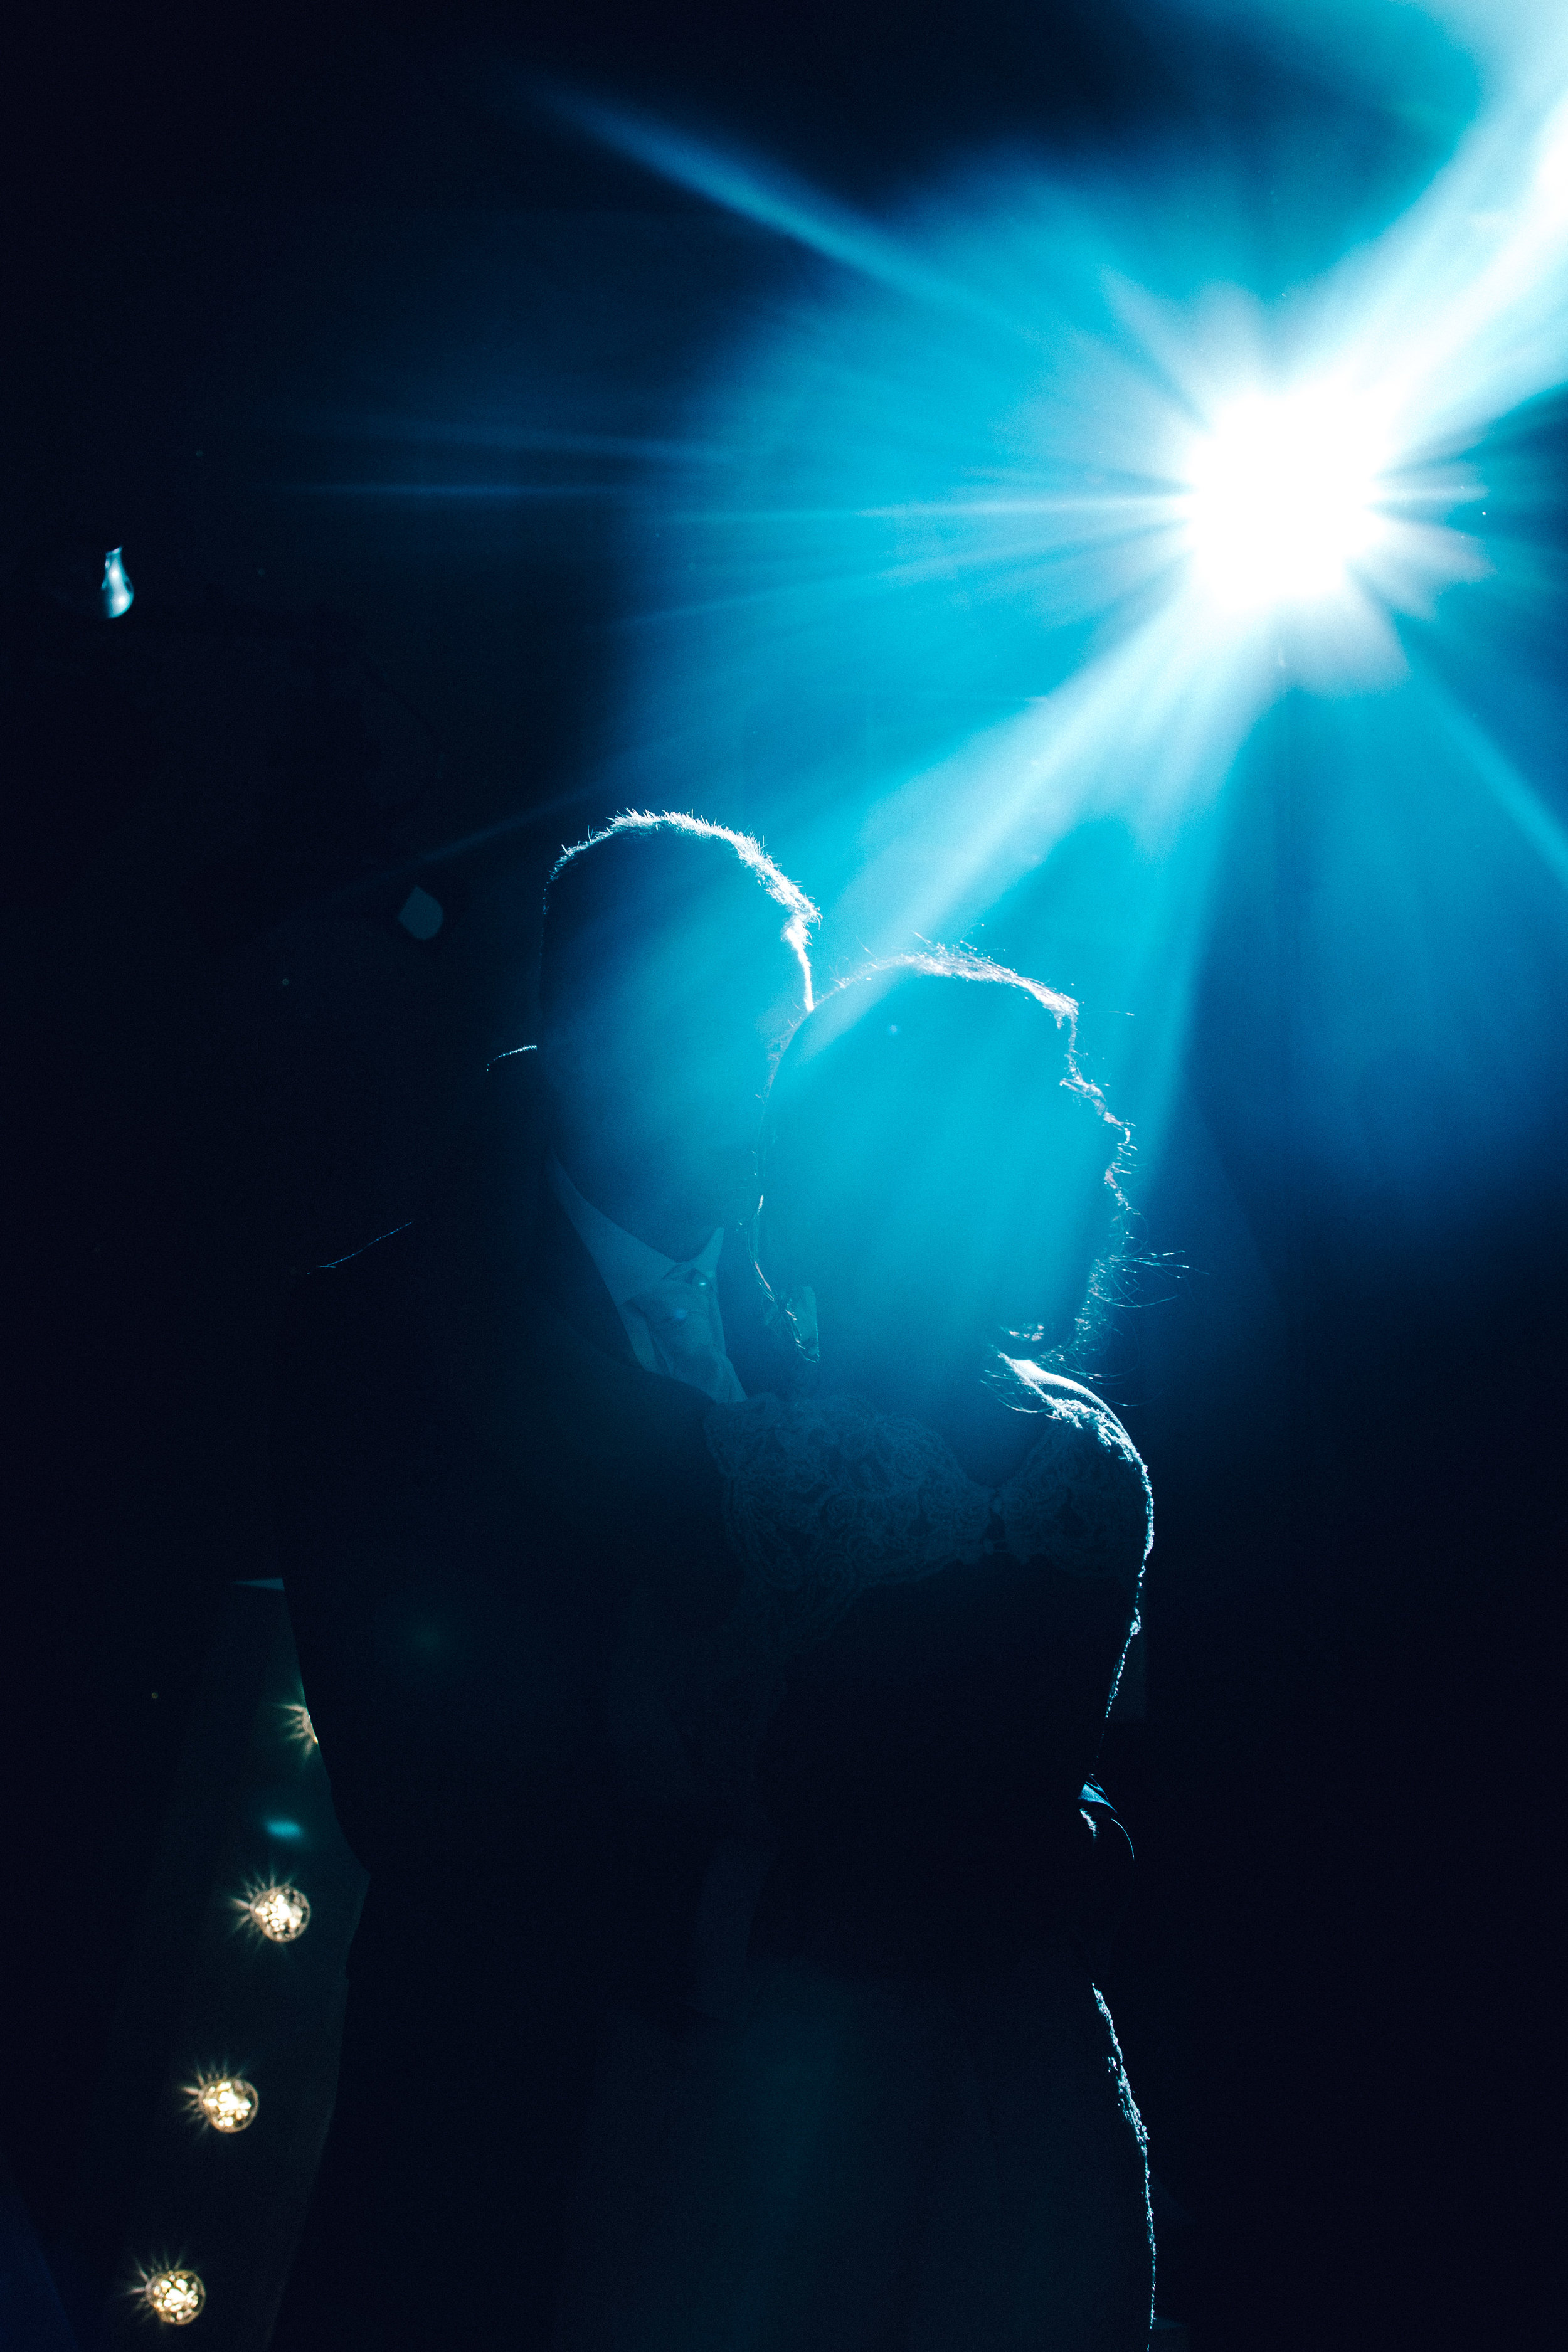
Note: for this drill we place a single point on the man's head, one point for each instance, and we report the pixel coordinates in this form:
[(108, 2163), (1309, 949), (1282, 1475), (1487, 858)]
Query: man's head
[(672, 970)]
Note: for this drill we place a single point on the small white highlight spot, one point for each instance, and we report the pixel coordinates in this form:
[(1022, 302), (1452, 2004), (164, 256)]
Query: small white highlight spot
[(117, 592)]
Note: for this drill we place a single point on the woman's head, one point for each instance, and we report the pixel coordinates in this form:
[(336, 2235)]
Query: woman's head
[(936, 1168)]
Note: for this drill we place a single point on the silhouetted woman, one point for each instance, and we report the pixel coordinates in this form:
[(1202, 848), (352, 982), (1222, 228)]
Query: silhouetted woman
[(874, 1662)]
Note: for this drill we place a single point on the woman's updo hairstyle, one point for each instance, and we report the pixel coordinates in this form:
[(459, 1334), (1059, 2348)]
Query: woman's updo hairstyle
[(934, 1159)]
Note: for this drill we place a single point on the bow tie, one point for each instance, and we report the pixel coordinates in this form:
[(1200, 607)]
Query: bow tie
[(682, 1316)]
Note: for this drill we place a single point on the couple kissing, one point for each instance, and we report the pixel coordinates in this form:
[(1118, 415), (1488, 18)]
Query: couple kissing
[(709, 1593)]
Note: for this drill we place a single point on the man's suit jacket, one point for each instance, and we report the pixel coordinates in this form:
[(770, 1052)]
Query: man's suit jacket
[(464, 1443), (456, 1591)]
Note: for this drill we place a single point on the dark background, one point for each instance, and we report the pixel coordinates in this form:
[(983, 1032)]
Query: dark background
[(228, 1062)]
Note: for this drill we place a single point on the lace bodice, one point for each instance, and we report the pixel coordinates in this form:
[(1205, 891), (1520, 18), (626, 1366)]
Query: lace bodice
[(825, 1500)]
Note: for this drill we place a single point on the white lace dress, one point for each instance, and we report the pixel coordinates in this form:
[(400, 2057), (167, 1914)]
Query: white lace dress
[(825, 1500), (897, 2119)]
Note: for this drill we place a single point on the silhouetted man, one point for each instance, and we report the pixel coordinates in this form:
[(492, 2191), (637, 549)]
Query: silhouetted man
[(456, 1607)]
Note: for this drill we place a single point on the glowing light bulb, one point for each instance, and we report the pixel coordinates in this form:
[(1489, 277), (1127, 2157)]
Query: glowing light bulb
[(281, 1914), (225, 2102), (1283, 499), (175, 2297)]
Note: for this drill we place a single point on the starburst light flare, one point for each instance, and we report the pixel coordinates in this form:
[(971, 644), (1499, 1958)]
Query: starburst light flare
[(173, 2296), (226, 2103), (1283, 502), (281, 1914), (976, 562)]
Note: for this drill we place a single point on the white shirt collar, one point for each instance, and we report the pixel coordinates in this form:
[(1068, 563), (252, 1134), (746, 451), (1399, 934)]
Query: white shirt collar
[(626, 1266)]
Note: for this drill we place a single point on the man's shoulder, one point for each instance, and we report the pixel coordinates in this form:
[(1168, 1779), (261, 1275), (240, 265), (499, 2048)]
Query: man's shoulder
[(513, 1084), (371, 1321), (371, 1262), (483, 1199), (487, 1184), (348, 1332), (328, 1298)]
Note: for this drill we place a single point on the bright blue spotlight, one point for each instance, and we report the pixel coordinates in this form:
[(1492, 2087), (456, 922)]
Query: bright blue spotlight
[(1284, 499)]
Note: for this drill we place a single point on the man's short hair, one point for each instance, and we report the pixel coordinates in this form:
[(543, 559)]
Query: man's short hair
[(670, 874)]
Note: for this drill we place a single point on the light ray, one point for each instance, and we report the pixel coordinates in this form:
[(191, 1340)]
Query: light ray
[(769, 196), (436, 490), (1517, 798), (989, 568), (502, 433)]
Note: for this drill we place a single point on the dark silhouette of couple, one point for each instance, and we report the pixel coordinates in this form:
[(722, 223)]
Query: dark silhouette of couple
[(710, 1599)]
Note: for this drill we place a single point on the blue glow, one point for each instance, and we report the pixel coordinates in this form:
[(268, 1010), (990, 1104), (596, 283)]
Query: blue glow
[(487, 490), (1519, 803), (1033, 511), (761, 192), (117, 593), (287, 1831)]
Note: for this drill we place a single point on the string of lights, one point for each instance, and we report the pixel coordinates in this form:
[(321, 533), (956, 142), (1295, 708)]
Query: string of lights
[(213, 2206)]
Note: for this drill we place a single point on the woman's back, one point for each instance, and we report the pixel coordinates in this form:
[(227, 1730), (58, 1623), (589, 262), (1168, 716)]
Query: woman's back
[(896, 2120), (904, 2125), (948, 1654)]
